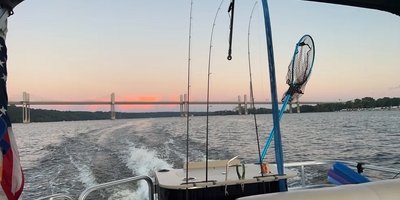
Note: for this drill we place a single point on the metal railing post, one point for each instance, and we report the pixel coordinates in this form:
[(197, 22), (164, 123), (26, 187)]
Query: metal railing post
[(88, 190), (56, 196), (303, 177)]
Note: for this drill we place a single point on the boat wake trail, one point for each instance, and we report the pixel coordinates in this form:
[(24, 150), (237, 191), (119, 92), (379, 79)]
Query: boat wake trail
[(85, 174), (142, 161)]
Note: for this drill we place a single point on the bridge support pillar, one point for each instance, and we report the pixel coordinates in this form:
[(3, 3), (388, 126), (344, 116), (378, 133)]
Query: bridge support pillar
[(29, 112), (26, 108), (251, 100), (112, 106), (185, 106), (239, 106), (245, 105), (181, 106), (298, 106), (290, 108)]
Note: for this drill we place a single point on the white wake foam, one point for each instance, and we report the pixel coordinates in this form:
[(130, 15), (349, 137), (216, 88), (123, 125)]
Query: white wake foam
[(85, 174), (141, 161)]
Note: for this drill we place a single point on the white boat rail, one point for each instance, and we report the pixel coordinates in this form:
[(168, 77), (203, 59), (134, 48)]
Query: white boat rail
[(56, 196), (87, 191), (331, 162)]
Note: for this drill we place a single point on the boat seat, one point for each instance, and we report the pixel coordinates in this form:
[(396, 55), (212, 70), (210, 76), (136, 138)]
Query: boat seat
[(378, 190)]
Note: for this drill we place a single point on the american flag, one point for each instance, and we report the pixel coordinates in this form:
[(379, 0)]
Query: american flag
[(12, 177)]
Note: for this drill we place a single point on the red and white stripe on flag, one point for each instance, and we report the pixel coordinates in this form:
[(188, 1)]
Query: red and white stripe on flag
[(12, 181)]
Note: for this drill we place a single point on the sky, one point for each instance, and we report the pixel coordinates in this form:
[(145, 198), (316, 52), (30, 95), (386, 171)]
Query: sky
[(86, 50)]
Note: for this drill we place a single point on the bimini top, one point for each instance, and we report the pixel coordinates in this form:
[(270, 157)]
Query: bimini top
[(9, 4), (392, 6)]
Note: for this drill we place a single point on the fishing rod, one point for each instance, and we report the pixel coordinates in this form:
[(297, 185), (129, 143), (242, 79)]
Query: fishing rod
[(251, 87), (208, 84), (188, 99)]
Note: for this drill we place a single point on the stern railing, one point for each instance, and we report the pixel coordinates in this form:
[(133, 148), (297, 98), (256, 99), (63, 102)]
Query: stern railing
[(91, 189), (88, 190), (56, 196), (331, 162), (302, 165)]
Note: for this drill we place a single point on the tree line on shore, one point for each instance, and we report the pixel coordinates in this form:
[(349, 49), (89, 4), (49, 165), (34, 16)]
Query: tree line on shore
[(366, 102), (41, 115)]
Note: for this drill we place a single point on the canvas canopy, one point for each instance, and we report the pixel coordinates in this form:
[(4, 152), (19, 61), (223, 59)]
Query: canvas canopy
[(392, 6), (10, 4)]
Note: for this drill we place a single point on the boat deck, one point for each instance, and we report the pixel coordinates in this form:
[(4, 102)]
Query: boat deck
[(176, 178)]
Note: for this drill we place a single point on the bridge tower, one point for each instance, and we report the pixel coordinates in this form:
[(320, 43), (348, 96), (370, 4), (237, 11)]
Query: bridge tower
[(181, 106), (298, 105), (251, 101), (185, 105), (245, 105), (112, 106), (239, 106), (26, 108)]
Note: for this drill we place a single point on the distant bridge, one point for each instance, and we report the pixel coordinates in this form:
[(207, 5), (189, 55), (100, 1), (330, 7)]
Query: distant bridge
[(26, 103), (151, 102)]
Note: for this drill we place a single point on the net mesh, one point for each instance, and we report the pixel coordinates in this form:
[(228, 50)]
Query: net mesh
[(299, 69)]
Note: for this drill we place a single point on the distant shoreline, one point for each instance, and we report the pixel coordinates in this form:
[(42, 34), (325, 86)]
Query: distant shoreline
[(42, 115)]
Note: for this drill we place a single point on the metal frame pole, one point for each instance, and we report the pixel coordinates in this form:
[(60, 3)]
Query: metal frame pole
[(275, 109)]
